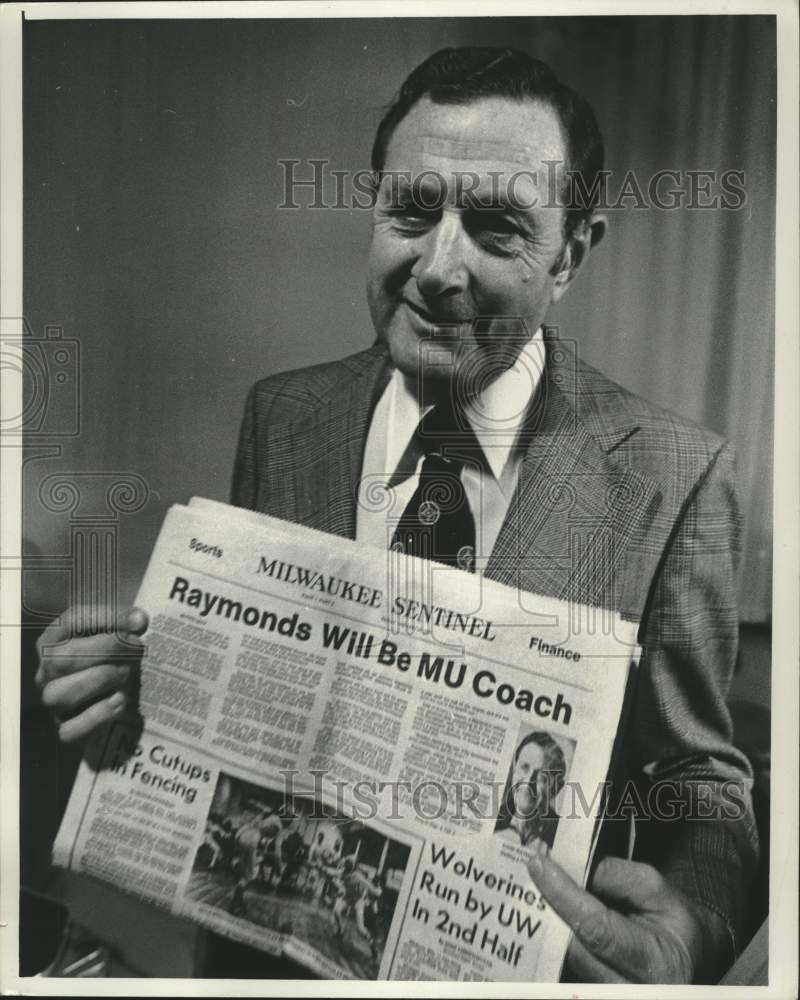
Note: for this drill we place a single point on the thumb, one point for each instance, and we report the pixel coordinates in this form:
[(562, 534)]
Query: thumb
[(135, 621), (626, 883)]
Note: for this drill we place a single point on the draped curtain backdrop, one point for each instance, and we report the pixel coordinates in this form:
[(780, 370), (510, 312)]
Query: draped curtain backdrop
[(153, 235)]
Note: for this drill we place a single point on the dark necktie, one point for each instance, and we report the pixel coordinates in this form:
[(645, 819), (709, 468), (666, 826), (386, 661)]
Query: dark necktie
[(438, 524)]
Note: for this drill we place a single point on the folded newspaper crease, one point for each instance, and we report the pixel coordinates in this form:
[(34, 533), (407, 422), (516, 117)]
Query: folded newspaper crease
[(348, 754)]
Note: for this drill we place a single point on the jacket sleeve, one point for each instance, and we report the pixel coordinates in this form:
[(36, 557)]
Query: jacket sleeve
[(244, 485), (700, 831)]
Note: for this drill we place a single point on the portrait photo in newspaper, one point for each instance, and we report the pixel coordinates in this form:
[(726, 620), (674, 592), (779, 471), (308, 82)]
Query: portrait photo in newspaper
[(540, 767), (397, 414)]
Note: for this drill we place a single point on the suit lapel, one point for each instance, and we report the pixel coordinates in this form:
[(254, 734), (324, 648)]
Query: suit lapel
[(323, 452), (575, 510), (572, 516)]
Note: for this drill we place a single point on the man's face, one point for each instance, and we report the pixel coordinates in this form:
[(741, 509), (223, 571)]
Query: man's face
[(530, 782), (486, 248)]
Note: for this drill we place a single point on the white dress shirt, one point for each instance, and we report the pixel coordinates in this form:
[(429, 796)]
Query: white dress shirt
[(393, 456)]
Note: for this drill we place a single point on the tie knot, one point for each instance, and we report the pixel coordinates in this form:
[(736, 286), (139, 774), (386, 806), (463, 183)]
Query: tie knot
[(446, 432)]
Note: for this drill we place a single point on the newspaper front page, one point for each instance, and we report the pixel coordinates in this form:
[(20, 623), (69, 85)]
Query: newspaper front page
[(347, 755)]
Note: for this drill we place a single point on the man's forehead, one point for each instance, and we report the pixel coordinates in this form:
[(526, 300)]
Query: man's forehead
[(531, 751), (480, 136), (479, 152)]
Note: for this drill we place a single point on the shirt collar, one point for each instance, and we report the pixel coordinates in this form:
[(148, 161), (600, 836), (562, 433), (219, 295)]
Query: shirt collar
[(496, 415)]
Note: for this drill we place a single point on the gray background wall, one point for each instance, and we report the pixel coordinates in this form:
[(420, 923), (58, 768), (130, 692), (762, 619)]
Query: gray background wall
[(153, 237)]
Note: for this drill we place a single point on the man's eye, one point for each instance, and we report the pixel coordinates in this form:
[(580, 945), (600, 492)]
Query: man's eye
[(501, 229), (500, 224), (411, 217), (496, 231)]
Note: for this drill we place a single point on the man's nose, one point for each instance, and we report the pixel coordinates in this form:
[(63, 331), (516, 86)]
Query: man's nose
[(441, 267)]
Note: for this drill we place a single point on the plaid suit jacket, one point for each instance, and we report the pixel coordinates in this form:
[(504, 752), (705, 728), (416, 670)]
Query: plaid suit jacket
[(619, 505)]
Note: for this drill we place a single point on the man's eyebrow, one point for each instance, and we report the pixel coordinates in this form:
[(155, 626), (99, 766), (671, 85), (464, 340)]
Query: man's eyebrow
[(476, 203)]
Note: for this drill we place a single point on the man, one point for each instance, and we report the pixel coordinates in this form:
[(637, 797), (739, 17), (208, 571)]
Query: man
[(537, 776), (210, 851), (250, 855), (354, 888), (294, 852), (319, 859), (559, 482)]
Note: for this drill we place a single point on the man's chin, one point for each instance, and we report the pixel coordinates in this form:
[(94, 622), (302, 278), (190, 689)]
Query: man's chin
[(423, 361), (435, 360), (451, 355), (525, 807)]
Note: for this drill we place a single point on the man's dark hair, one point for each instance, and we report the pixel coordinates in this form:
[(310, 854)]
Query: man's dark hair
[(554, 769), (464, 75)]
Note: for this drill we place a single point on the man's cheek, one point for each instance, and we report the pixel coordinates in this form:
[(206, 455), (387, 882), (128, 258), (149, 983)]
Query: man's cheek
[(532, 262), (390, 258), (387, 241), (381, 227)]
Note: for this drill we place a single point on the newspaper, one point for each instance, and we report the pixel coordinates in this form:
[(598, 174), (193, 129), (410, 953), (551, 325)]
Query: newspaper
[(347, 755)]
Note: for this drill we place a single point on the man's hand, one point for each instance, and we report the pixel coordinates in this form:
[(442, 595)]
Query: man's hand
[(633, 927), (86, 680)]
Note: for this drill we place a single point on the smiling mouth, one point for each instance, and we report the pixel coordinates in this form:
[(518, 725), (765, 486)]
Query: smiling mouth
[(431, 320)]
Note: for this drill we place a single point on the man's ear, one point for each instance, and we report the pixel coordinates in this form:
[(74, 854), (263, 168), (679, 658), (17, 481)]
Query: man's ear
[(576, 250)]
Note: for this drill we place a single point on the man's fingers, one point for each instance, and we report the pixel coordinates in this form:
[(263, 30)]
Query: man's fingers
[(134, 620), (574, 905), (581, 966), (627, 883), (641, 889), (81, 653), (88, 619), (96, 715), (79, 619), (66, 694), (610, 937), (86, 658)]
